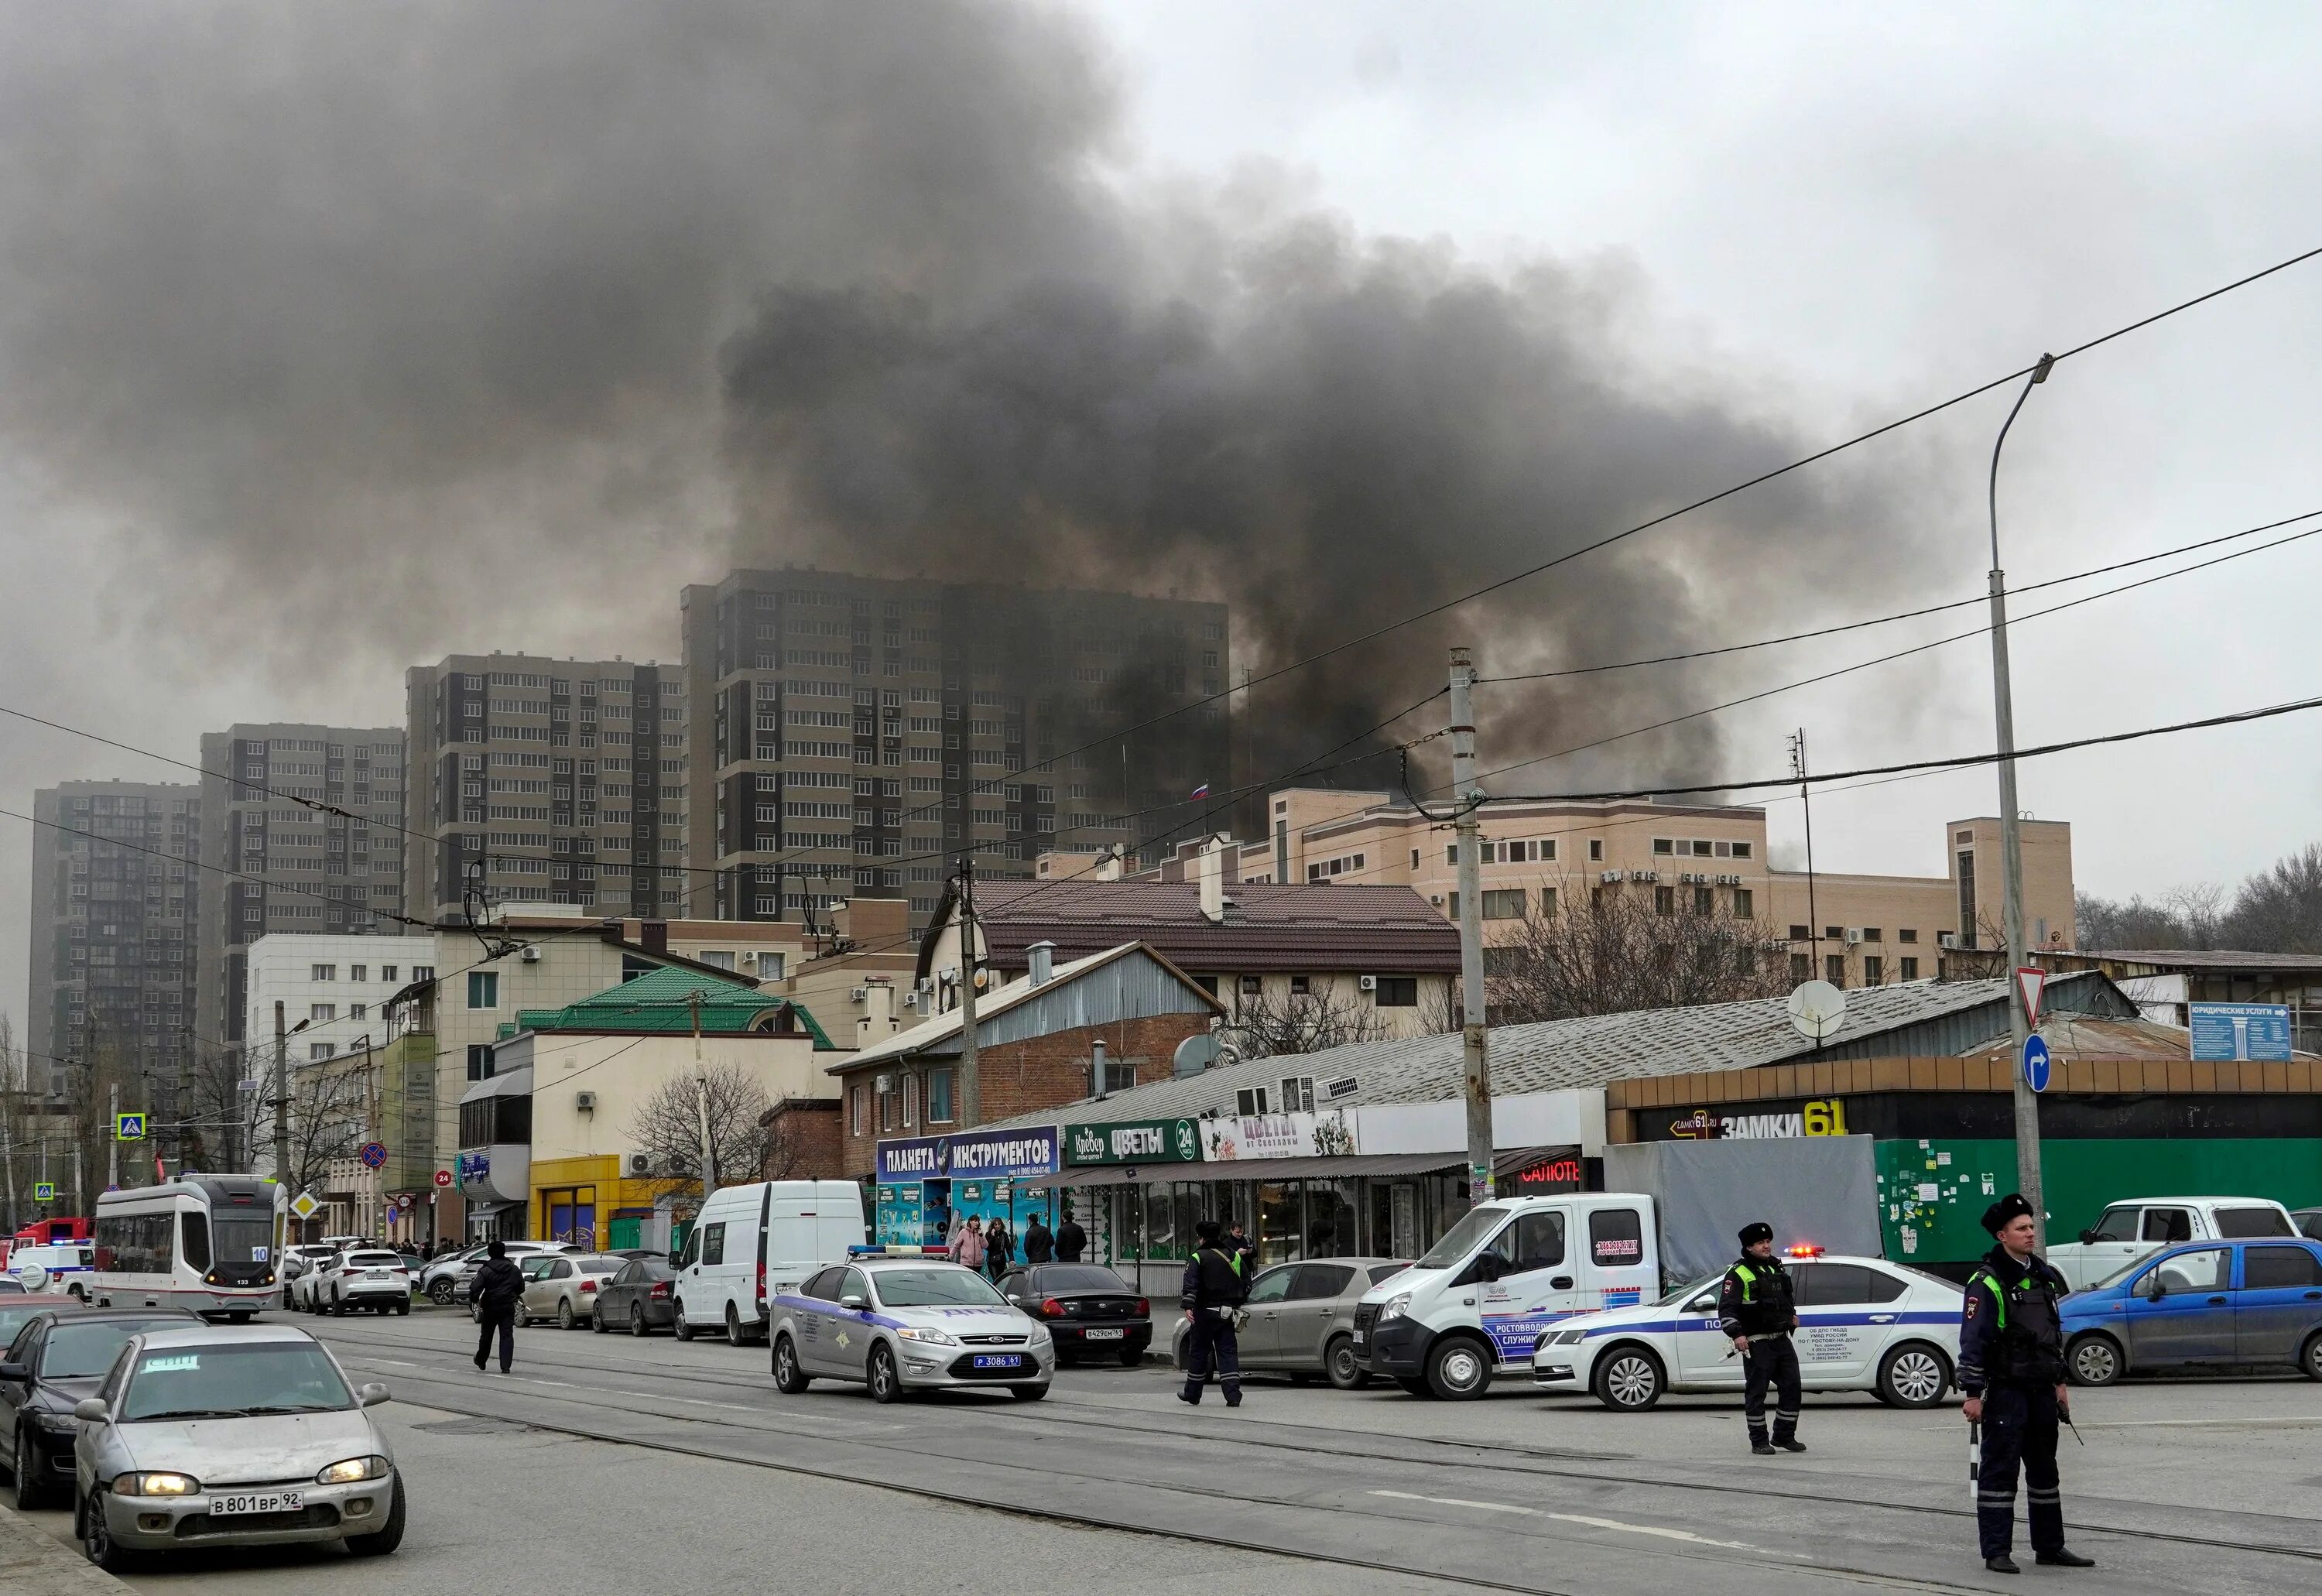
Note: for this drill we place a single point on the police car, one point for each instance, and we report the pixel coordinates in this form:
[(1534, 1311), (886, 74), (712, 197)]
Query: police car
[(896, 1319), (1864, 1324)]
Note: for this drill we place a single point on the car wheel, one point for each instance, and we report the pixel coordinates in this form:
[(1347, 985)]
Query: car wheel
[(1460, 1368), (2310, 1358), (1913, 1376), (440, 1293), (638, 1320), (25, 1462), (2094, 1360), (1414, 1386), (735, 1335), (885, 1384), (97, 1539), (389, 1535), (1130, 1357), (1629, 1378), (789, 1378), (402, 1307), (1345, 1370), (338, 1309), (1028, 1393), (597, 1319), (240, 1318), (565, 1313), (677, 1325)]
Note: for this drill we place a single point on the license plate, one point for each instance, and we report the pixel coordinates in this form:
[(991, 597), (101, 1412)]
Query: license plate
[(1361, 1338), (1104, 1335), (374, 1274), (999, 1360), (257, 1501)]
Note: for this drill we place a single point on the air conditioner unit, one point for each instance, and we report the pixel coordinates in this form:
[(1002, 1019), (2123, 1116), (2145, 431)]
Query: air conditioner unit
[(1369, 984), (1853, 934), (912, 1000), (637, 1164), (1436, 899), (885, 1084), (1947, 939), (585, 1101), (1644, 875), (859, 995), (1611, 878), (531, 955)]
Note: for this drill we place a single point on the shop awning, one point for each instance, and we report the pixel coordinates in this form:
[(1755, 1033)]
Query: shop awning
[(1251, 1169)]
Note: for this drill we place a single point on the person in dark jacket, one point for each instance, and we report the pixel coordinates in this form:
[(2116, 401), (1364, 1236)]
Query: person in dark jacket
[(1756, 1309), (1039, 1241), (1242, 1248), (496, 1288), (1214, 1287), (999, 1248), (1070, 1239), (2012, 1370)]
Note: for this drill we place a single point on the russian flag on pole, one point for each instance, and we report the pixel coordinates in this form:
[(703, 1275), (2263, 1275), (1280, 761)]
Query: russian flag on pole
[(1201, 791)]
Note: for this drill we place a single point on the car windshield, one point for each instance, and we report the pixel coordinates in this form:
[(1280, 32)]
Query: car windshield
[(1683, 1293), (241, 1238), (597, 1266), (1463, 1239), (934, 1288), (1079, 1280), (233, 1381), (2118, 1275), (85, 1352)]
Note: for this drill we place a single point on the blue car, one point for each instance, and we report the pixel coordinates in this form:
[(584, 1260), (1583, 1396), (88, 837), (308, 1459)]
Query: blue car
[(2245, 1303)]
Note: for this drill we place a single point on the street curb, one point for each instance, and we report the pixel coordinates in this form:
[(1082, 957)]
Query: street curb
[(32, 1563)]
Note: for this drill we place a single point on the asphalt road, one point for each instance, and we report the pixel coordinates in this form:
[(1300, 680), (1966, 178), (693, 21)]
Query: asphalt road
[(607, 1464)]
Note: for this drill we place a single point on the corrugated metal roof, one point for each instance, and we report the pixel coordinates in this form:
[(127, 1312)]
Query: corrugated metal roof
[(662, 1001), (1881, 1022), (2163, 958), (1269, 927)]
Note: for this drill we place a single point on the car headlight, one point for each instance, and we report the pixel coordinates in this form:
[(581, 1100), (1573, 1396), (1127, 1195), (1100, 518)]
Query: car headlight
[(156, 1485), (1040, 1332), (938, 1338), (353, 1468), (1567, 1338), (1394, 1308)]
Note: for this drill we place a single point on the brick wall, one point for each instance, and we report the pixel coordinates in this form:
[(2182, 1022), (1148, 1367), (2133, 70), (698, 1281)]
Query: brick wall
[(806, 1140), (1026, 1077)]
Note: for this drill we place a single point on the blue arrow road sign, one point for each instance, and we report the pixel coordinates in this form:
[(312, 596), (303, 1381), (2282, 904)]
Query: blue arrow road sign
[(2035, 1063)]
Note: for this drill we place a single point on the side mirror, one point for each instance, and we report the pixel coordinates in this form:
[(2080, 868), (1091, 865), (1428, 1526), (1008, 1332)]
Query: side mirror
[(855, 1301), (371, 1395), (92, 1409), (2087, 1237), (14, 1371), (2153, 1288), (1702, 1305), (1490, 1266)]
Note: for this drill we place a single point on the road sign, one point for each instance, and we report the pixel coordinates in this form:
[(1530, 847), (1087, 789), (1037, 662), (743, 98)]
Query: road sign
[(2240, 1030), (374, 1156), (44, 1191), (403, 1200), (2031, 980), (303, 1206), (129, 1126), (2035, 1063), (443, 1177)]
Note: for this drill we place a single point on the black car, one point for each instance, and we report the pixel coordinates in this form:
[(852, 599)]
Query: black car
[(639, 1299), (57, 1357), (1088, 1309)]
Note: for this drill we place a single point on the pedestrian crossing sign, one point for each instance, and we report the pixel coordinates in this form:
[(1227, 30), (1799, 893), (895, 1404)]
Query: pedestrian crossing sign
[(129, 1126), (44, 1191)]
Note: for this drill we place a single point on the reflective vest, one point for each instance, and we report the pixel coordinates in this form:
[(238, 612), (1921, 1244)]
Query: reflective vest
[(2027, 1337)]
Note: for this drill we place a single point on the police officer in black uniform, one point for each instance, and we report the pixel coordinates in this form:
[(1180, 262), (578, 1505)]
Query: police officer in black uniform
[(2012, 1369), (1758, 1309), (1213, 1288)]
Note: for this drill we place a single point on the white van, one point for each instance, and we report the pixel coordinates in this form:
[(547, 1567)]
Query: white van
[(2135, 1226), (69, 1267), (1481, 1298), (753, 1243)]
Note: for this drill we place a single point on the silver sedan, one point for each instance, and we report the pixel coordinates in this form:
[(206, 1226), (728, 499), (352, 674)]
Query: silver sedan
[(904, 1324), (230, 1436)]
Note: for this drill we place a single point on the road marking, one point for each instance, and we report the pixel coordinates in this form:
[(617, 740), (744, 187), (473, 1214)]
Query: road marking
[(1686, 1535)]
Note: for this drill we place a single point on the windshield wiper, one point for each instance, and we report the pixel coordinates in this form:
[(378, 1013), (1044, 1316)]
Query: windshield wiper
[(303, 1407), (192, 1413)]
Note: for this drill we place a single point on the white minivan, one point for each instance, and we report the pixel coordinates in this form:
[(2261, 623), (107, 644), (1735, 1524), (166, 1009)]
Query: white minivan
[(1480, 1299), (2135, 1226), (750, 1244)]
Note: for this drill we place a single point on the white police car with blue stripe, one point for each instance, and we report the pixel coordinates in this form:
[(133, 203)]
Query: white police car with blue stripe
[(1864, 1324), (895, 1320)]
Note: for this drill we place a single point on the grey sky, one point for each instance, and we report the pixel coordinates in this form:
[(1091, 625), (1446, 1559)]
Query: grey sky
[(324, 348)]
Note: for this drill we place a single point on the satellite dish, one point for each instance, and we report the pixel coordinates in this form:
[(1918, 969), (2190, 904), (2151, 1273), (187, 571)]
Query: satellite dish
[(1818, 1009), (1195, 1055)]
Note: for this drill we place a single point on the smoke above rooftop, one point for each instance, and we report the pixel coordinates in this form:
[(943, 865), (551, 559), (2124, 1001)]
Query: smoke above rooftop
[(387, 331)]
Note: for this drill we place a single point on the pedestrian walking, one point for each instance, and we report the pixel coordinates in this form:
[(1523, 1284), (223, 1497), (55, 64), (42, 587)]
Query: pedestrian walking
[(1071, 1240), (1212, 1293), (498, 1287), (1039, 1241), (999, 1247), (968, 1249), (1756, 1309), (2012, 1369), (1243, 1248)]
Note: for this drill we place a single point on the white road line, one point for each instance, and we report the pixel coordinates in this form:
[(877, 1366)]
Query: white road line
[(1686, 1535)]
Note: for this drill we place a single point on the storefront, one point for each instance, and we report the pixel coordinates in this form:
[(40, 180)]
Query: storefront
[(925, 1185)]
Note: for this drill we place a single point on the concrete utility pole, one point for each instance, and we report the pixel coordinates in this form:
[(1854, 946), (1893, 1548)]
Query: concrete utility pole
[(1805, 796), (971, 1080), (1476, 1044), (2011, 845), (112, 1135), (708, 1150), (281, 1101)]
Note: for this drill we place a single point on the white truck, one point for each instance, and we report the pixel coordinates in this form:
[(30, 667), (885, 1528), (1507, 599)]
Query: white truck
[(2135, 1226), (1478, 1303), (750, 1244)]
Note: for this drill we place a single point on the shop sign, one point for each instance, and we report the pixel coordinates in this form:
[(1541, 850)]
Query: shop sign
[(915, 1158), (1328, 1133), (1818, 1117), (2239, 1030), (1133, 1140), (1560, 1174), (1030, 1151)]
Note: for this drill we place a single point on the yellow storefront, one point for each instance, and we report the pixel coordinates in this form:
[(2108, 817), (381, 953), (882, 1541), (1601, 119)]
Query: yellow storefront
[(585, 1202)]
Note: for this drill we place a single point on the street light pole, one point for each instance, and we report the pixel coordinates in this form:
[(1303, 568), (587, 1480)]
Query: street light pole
[(1475, 1041), (2011, 843)]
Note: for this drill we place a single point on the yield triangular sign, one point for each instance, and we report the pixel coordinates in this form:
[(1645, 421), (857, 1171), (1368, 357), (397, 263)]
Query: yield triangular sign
[(2029, 980)]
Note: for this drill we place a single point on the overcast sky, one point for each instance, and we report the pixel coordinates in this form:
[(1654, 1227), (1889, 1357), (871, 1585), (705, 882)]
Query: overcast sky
[(1809, 218)]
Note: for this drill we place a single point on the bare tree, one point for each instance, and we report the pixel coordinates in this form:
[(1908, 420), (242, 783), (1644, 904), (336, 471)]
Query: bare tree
[(1303, 1022), (1619, 950), (786, 1147), (2278, 910), (667, 1127), (230, 1125)]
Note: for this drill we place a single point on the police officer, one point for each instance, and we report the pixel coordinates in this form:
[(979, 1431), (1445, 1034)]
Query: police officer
[(2012, 1369), (1758, 1309), (1214, 1286)]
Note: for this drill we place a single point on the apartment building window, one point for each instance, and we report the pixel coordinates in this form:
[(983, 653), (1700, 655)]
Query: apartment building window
[(1801, 934), (772, 966), (1834, 969), (1414, 859), (321, 1012), (423, 972), (861, 1097), (939, 1083), (1705, 901), (1664, 846), (484, 989), (1906, 934), (1801, 968), (1396, 991), (1301, 986), (1834, 934), (321, 1050), (1871, 933), (1596, 850), (1452, 855), (1874, 970), (386, 972), (1250, 1101), (1908, 968), (1664, 901), (1252, 986), (1745, 903), (479, 1061), (358, 972), (1504, 905), (323, 972), (358, 1010)]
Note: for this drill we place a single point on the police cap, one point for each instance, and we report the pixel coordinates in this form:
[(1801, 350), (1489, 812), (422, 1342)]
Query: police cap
[(2010, 1208), (1756, 1231)]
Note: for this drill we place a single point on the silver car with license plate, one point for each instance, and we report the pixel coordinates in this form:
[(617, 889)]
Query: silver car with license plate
[(230, 1436), (895, 1325)]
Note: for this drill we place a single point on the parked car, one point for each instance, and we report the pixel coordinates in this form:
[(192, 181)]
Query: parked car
[(56, 1358), (464, 1275), (2134, 1226), (2308, 1222), (638, 1298), (436, 1280), (906, 1324), (232, 1435), (1864, 1324), (2246, 1304), (750, 1244), (369, 1278), (1301, 1318), (564, 1287), (1090, 1312)]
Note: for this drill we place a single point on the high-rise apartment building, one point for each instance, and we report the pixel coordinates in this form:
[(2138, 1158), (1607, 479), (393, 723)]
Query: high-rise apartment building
[(546, 782), (854, 734), (115, 898), (316, 873)]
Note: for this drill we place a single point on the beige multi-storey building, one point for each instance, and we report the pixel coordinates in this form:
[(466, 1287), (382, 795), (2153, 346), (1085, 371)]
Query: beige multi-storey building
[(1548, 858)]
